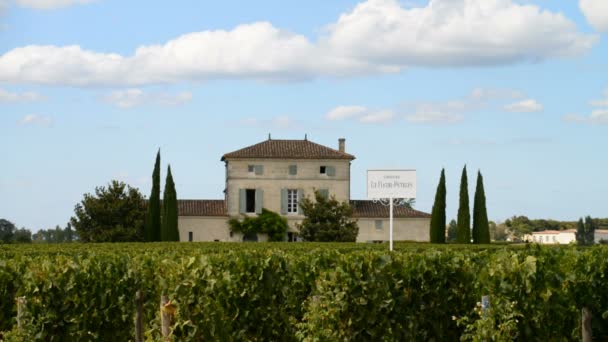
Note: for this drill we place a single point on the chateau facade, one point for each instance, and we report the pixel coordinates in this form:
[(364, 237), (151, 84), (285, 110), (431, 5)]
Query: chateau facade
[(276, 174)]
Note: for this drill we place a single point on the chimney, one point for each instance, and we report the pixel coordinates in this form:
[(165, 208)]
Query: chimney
[(341, 143)]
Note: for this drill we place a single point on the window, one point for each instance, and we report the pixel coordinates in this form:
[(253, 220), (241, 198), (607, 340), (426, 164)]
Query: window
[(250, 168), (293, 169), (250, 200), (323, 170), (378, 224), (257, 169), (327, 170), (292, 201), (190, 236)]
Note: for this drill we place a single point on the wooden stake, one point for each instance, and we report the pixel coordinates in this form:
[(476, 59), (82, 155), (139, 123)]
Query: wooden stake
[(167, 311), (586, 325), (139, 308), (21, 301)]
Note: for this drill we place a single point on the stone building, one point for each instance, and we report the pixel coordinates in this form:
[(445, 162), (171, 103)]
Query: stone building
[(276, 174)]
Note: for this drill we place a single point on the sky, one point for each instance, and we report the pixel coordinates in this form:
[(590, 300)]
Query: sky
[(516, 89)]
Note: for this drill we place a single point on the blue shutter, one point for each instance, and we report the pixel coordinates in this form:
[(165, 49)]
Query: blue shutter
[(324, 193), (300, 197), (293, 169), (259, 169), (331, 171), (259, 200), (242, 201)]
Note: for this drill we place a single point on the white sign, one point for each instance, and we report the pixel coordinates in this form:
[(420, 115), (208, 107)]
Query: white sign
[(391, 184)]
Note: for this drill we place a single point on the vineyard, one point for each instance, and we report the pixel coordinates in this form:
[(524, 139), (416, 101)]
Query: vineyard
[(300, 292)]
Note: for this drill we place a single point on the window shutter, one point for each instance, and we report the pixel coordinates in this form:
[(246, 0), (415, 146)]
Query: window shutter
[(284, 201), (300, 197), (242, 201), (293, 169), (259, 170), (331, 171), (259, 200), (324, 193), (378, 224)]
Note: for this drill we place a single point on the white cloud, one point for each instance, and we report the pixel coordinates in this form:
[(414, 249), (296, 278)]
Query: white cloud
[(596, 12), (525, 106), (455, 33), (602, 102), (28, 96), (427, 116), (361, 114), (345, 112), (597, 117), (377, 36), (135, 97), (50, 4), (380, 116), (36, 120)]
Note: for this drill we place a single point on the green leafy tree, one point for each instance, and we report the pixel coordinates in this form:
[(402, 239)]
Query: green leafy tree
[(7, 231), (580, 232), (327, 219), (69, 233), (464, 215), (437, 229), (452, 231), (114, 213), (22, 235), (481, 227), (519, 226), (267, 222), (169, 230), (152, 225), (498, 231)]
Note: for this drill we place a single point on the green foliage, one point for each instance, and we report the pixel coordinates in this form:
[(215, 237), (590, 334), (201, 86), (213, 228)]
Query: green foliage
[(305, 291), (169, 231), (56, 235), (481, 227), (585, 231), (267, 222), (327, 220), (112, 214), (464, 215), (152, 223), (437, 228), (7, 231), (22, 235), (452, 231)]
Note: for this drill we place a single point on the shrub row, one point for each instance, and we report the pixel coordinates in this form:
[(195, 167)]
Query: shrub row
[(307, 294)]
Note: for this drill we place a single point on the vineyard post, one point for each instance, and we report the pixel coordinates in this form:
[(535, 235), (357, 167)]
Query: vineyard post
[(139, 316), (586, 325), (167, 309), (21, 301)]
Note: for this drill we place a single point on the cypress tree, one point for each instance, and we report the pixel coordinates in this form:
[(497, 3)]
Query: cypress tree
[(437, 229), (152, 228), (481, 226), (589, 231), (463, 234), (169, 231), (580, 232)]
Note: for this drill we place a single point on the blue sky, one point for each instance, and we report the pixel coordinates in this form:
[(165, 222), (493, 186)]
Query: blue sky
[(89, 90)]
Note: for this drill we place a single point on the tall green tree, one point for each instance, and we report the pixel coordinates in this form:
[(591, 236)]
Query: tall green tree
[(113, 214), (152, 229), (169, 231), (464, 216), (590, 227), (481, 226), (437, 229), (452, 231)]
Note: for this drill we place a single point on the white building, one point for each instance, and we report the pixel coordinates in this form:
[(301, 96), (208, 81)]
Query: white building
[(562, 237), (276, 174)]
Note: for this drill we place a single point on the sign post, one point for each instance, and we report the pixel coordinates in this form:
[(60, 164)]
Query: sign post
[(391, 187)]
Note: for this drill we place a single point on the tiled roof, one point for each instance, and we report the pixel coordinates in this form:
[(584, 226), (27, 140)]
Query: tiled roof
[(364, 209), (201, 207), (288, 149)]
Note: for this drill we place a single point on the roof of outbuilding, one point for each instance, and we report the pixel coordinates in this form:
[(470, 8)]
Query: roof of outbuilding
[(288, 149), (201, 207), (370, 209)]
